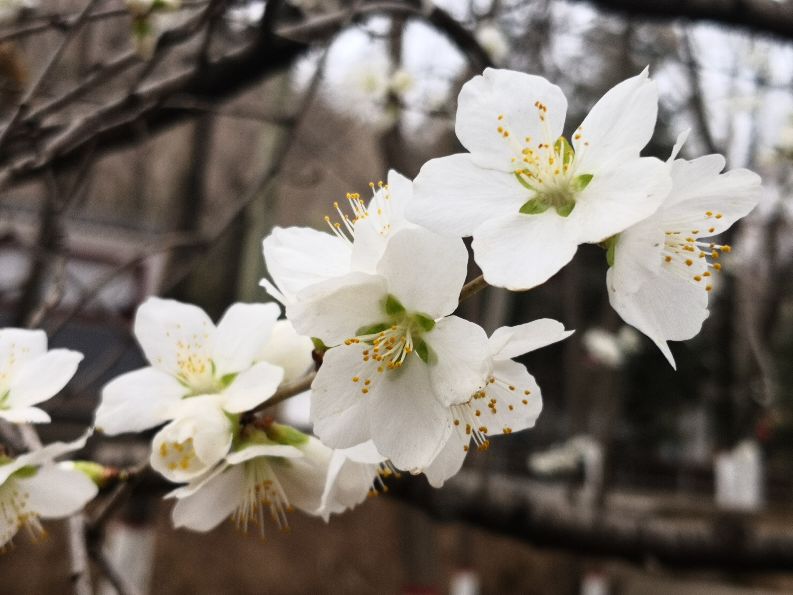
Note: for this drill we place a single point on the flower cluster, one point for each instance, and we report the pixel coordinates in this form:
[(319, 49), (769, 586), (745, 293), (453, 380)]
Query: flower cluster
[(402, 382)]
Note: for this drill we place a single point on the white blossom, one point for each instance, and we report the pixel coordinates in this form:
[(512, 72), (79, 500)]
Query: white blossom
[(29, 374), (33, 486), (661, 269), (191, 357), (510, 401), (527, 195)]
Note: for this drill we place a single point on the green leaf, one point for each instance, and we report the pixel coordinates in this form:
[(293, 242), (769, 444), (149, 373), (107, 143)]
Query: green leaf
[(535, 206), (371, 330), (524, 183), (25, 472), (581, 182), (392, 306), (562, 147), (425, 322), (565, 209), (319, 346)]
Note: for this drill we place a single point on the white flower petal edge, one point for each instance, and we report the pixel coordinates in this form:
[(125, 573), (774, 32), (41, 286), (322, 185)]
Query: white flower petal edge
[(29, 374), (510, 401), (352, 475), (289, 351), (662, 271), (241, 333), (280, 475), (32, 486), (524, 193)]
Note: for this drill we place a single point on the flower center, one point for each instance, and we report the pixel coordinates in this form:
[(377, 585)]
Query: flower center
[(545, 168), (388, 344), (179, 455), (344, 228), (684, 254), (15, 513), (262, 496)]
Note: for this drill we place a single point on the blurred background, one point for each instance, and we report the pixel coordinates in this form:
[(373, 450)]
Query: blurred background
[(148, 148)]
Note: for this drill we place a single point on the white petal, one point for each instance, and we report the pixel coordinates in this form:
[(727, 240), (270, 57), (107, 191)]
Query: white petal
[(172, 333), (43, 377), (303, 479), (208, 507), (347, 485), (449, 461), (241, 334), (253, 451), (40, 456), (522, 251), (408, 424), (252, 387), (513, 96), (513, 341), (453, 195), (666, 307), (334, 310), (363, 453), (460, 360), (54, 492), (425, 271), (288, 350), (137, 401), (637, 255), (298, 257), (699, 188), (620, 197), (23, 415), (619, 125), (338, 407)]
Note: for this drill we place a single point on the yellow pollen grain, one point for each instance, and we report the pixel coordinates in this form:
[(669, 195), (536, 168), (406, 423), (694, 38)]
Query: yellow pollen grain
[(456, 422), (510, 407), (697, 278), (525, 401), (477, 413), (719, 215), (668, 259), (356, 378), (708, 287), (365, 390), (689, 262)]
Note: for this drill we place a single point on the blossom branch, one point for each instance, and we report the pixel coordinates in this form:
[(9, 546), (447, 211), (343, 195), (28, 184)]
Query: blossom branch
[(474, 286)]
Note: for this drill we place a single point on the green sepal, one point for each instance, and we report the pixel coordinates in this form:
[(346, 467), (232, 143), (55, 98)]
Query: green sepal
[(524, 183), (425, 322), (319, 345), (422, 350), (581, 182), (535, 206), (25, 472), (392, 306), (611, 247), (228, 379), (283, 434), (562, 144), (94, 471), (371, 330), (565, 209)]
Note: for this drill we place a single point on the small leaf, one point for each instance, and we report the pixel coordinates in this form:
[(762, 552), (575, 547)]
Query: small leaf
[(228, 379), (393, 306), (319, 346), (425, 322), (535, 206), (581, 182)]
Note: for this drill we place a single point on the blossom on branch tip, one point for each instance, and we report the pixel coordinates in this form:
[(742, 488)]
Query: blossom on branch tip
[(271, 471), (191, 357), (401, 360), (33, 486), (29, 374), (661, 270), (509, 402), (526, 194)]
